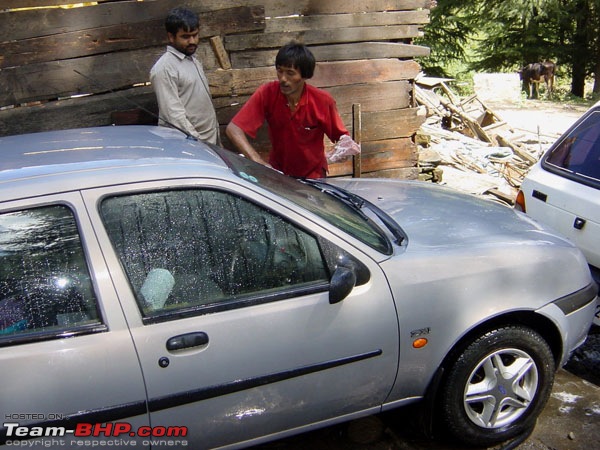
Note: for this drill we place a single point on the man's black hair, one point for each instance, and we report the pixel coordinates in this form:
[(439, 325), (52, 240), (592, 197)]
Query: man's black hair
[(181, 19), (297, 56)]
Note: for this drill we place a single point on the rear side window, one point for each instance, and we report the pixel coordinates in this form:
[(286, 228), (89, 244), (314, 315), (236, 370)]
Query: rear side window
[(197, 251), (45, 286), (579, 152)]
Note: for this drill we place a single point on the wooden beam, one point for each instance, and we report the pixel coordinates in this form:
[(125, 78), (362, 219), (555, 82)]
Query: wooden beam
[(357, 137), (94, 110), (379, 125), (216, 42), (337, 52), (45, 22), (330, 21), (372, 96), (312, 37), (366, 71), (129, 36), (380, 155), (328, 74)]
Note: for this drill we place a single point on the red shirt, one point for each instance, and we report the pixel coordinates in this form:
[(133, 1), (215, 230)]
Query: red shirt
[(296, 138)]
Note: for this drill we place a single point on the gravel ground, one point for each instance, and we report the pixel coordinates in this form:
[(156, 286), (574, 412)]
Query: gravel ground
[(585, 361)]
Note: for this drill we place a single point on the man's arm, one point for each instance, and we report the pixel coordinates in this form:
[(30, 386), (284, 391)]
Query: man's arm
[(237, 136), (170, 107)]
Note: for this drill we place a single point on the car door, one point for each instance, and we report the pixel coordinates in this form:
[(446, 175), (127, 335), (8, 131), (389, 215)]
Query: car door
[(66, 355), (563, 191), (227, 301)]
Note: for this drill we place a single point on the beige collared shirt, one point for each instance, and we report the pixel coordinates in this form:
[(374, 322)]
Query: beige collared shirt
[(183, 95)]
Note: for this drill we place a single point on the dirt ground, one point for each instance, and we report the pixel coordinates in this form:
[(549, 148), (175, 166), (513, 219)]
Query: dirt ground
[(570, 420), (546, 118)]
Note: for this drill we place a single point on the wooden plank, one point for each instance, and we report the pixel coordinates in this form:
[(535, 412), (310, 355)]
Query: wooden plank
[(89, 111), (47, 22), (355, 72), (284, 8), (372, 50), (321, 22), (404, 173), (312, 37), (380, 125), (380, 155), (216, 42), (55, 79), (339, 52), (327, 74), (372, 96), (311, 7), (357, 137), (44, 22), (12, 4), (122, 37)]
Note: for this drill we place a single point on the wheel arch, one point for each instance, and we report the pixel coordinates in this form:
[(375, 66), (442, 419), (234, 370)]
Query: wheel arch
[(540, 324)]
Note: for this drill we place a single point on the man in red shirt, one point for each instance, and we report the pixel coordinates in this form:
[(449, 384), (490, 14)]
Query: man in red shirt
[(298, 116)]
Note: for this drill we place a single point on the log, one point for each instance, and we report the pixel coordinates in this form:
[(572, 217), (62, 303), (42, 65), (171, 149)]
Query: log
[(338, 52), (125, 36), (328, 21), (312, 37)]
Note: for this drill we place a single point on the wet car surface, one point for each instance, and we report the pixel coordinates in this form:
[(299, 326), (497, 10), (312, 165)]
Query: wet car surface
[(169, 286)]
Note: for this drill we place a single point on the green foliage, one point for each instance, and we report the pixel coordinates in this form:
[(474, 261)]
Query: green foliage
[(504, 35)]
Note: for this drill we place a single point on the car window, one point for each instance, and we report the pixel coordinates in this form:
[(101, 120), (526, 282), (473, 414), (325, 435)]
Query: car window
[(201, 250), (579, 151), (45, 285)]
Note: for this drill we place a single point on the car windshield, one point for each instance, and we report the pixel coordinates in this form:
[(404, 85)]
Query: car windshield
[(579, 151), (338, 207)]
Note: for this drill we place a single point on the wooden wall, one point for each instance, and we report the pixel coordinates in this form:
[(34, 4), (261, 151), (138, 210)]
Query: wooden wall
[(65, 68)]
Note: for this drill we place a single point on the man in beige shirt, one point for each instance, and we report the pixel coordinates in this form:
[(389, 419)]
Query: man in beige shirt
[(179, 82)]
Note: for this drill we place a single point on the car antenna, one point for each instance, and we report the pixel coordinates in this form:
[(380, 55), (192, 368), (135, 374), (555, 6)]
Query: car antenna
[(133, 102)]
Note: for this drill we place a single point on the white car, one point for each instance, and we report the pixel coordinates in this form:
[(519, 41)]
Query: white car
[(563, 189)]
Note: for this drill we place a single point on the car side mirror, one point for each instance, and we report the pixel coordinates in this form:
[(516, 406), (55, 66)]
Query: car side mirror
[(341, 284)]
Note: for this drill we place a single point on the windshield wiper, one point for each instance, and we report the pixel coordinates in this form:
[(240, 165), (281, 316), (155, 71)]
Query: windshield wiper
[(348, 198), (357, 203)]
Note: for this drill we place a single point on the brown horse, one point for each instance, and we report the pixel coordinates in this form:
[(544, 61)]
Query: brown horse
[(535, 73)]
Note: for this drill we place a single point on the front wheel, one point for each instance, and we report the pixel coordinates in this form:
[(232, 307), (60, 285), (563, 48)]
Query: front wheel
[(497, 386)]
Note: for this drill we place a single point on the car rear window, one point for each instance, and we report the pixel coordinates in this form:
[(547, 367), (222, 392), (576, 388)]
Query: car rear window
[(45, 286), (579, 151)]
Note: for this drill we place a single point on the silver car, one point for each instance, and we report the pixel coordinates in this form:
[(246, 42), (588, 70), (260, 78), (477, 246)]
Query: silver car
[(156, 291)]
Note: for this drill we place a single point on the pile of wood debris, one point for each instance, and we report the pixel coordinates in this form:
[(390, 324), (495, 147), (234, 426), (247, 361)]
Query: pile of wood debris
[(465, 145)]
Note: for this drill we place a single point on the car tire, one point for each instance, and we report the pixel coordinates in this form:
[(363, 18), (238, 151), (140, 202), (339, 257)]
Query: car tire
[(497, 386)]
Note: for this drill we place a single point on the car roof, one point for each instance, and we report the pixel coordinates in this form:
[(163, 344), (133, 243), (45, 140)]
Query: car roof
[(56, 161)]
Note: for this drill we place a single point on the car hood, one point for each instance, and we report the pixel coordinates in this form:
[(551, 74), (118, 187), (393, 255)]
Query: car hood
[(435, 216)]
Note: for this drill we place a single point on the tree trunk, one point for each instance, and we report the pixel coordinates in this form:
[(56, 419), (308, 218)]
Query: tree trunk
[(597, 75), (580, 49)]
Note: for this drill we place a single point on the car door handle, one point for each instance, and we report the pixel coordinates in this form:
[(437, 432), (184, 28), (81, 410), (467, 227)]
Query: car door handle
[(187, 340)]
